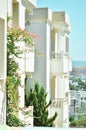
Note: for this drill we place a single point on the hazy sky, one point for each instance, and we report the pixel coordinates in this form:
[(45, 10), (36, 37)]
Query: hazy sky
[(77, 12)]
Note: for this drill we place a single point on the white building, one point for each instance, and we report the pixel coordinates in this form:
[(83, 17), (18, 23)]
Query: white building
[(52, 69), (77, 103), (17, 10), (3, 18)]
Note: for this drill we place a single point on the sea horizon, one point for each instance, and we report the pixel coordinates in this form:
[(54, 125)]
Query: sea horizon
[(78, 63)]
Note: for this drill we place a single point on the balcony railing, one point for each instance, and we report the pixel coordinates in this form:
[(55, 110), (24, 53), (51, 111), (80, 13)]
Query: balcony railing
[(26, 115), (26, 60), (60, 63), (58, 103), (58, 106)]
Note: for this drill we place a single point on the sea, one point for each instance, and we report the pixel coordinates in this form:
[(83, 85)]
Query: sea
[(78, 63)]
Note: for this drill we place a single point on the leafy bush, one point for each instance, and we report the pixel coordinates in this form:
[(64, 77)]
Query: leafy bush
[(37, 98), (73, 124), (81, 122), (12, 120), (71, 118)]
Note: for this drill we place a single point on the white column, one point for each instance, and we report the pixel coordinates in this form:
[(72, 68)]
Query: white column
[(56, 87), (56, 42), (19, 20), (18, 15), (2, 49), (48, 41), (2, 69), (10, 7), (21, 16), (1, 105)]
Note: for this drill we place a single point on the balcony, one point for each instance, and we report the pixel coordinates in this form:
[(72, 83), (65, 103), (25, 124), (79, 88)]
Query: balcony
[(26, 114), (70, 64), (59, 63), (29, 60), (56, 107), (26, 60), (62, 87), (61, 107)]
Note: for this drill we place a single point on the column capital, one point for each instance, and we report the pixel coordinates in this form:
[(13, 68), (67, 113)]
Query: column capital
[(60, 22), (41, 15)]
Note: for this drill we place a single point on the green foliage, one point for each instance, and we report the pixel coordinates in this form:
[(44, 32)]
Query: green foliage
[(73, 124), (81, 122), (12, 93), (81, 85), (71, 118), (37, 98), (12, 120), (14, 35)]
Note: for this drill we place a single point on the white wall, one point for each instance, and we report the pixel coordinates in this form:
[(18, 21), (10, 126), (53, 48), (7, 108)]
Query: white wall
[(42, 63), (3, 18), (3, 7)]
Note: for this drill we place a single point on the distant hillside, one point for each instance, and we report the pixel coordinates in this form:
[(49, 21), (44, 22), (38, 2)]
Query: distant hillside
[(78, 68), (78, 71)]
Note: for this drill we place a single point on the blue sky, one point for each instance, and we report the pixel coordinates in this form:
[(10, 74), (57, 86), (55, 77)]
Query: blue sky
[(77, 12)]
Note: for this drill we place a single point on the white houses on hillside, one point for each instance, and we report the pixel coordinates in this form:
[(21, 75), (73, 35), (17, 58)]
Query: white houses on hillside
[(77, 103)]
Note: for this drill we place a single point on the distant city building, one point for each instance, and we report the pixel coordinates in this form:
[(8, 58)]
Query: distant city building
[(77, 103)]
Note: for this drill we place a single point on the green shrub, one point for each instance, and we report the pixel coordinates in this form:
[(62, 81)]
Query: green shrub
[(12, 120), (73, 124), (81, 122), (71, 118), (37, 98)]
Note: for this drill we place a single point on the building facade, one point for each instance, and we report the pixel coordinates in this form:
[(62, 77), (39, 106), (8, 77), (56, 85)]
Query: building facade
[(15, 9), (77, 103), (3, 19), (52, 69)]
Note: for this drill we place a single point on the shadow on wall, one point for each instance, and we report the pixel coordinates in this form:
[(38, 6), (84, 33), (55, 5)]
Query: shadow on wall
[(1, 105)]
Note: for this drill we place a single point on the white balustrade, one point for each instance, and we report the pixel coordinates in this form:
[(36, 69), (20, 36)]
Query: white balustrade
[(26, 114), (59, 63)]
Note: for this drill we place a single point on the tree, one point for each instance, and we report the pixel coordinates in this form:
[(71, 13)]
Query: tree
[(37, 98)]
